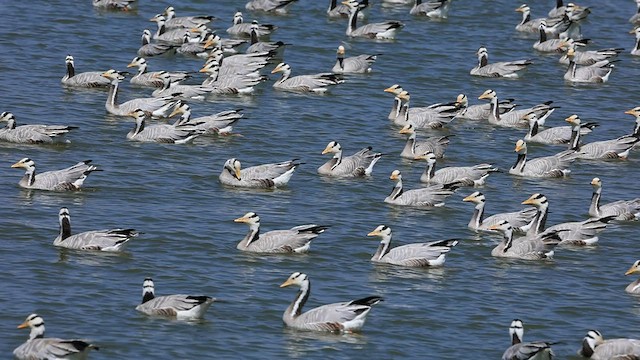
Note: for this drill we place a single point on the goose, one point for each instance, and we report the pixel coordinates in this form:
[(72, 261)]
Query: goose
[(89, 79), (252, 60), (538, 350), (557, 24), (394, 89), (97, 240), (519, 220), (341, 10), (607, 149), (196, 46), (556, 165), (276, 6), (229, 83), (120, 5), (356, 165), (267, 176), (508, 69), (295, 240), (149, 48), (435, 9), (554, 135), (635, 112), (634, 287), (40, 347), (172, 21), (636, 47), (524, 248), (173, 36), (381, 30), (514, 118), (219, 123), (169, 88), (257, 46), (179, 306), (595, 347), (544, 44), (161, 133), (480, 111), (342, 317), (240, 28), (430, 196), (317, 83), (412, 148), (228, 46), (412, 255), (30, 134), (635, 19), (527, 24), (588, 57), (152, 79), (573, 11), (449, 109), (157, 106), (621, 209), (353, 65), (577, 233), (599, 72), (71, 178), (463, 175), (430, 117)]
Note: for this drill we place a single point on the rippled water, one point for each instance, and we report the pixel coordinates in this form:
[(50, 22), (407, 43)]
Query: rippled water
[(172, 194)]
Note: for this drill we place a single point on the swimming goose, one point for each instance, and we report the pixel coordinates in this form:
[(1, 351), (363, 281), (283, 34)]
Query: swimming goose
[(607, 149), (381, 30), (71, 178), (553, 135), (431, 117), (556, 165), (228, 46), (537, 350), (240, 28), (435, 144), (413, 255), (40, 347), (621, 209), (257, 46), (595, 347), (598, 72), (356, 165), (336, 10), (394, 89), (463, 175), (30, 134), (579, 233), (544, 44), (173, 36), (151, 78), (120, 5), (480, 111), (98, 240), (636, 47), (157, 106), (89, 79), (508, 69), (634, 287), (527, 24), (587, 57), (397, 114), (252, 60), (353, 65), (557, 24), (169, 88), (196, 46), (525, 248), (183, 307), (519, 220), (295, 240), (267, 176), (430, 196), (636, 113), (343, 317), (161, 133), (435, 9), (184, 21), (635, 19), (229, 83), (514, 118), (276, 6), (304, 83), (219, 123), (149, 48)]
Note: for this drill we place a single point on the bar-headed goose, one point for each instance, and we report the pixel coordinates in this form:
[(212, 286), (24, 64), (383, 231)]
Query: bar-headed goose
[(412, 148), (98, 240), (507, 69), (380, 30), (519, 220), (556, 165), (266, 176), (621, 209), (463, 175), (618, 148), (595, 347), (179, 306), (519, 350), (356, 165), (317, 83), (430, 196), (68, 179), (89, 79)]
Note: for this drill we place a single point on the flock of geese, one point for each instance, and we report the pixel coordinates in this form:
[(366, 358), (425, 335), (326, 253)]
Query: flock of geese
[(231, 71)]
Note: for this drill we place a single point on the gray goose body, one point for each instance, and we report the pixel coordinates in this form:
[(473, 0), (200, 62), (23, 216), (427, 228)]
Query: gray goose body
[(519, 220), (634, 287), (229, 83), (173, 36), (519, 350), (430, 117), (180, 306), (341, 10), (240, 28), (294, 240), (437, 9), (462, 175), (352, 65), (98, 240), (598, 72), (161, 133), (276, 48), (30, 134), (277, 6), (595, 347), (514, 118), (173, 21), (157, 106), (621, 209), (480, 111), (304, 83), (356, 165), (89, 79), (39, 347), (149, 49), (120, 5), (547, 166), (219, 123), (430, 196), (590, 57), (508, 69), (339, 317), (412, 255), (265, 176), (71, 178), (525, 247), (412, 148), (169, 89), (618, 148), (554, 135), (380, 30), (152, 78)]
